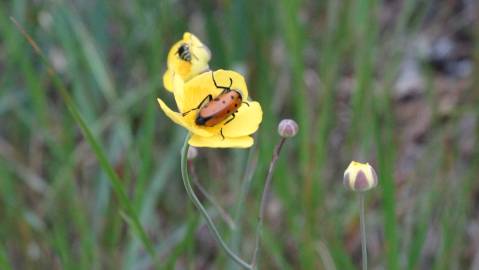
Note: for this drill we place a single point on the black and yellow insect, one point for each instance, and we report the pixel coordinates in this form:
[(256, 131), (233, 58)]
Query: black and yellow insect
[(184, 52)]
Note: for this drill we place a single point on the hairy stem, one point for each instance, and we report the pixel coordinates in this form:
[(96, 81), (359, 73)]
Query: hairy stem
[(226, 217), (202, 209), (362, 218), (264, 200)]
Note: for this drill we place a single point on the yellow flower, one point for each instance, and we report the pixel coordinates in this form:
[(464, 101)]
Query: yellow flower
[(360, 176), (191, 95), (188, 58)]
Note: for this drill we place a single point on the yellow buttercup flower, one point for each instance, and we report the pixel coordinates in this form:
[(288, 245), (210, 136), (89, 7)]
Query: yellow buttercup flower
[(188, 58), (360, 177), (192, 96)]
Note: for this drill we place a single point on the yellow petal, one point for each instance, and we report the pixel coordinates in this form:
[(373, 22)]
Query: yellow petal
[(180, 120), (202, 52), (198, 88), (246, 121), (199, 62), (174, 116), (168, 80), (219, 142), (192, 94), (178, 91)]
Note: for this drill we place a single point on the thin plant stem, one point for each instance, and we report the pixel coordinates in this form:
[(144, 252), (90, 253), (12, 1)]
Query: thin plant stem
[(202, 209), (362, 219), (252, 162), (226, 217), (264, 200), (325, 256)]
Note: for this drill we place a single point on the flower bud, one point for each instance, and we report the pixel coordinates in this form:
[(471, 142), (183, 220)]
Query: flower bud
[(287, 128), (192, 153), (360, 177)]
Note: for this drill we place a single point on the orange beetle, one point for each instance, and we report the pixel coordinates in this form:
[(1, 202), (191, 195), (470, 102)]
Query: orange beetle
[(216, 110)]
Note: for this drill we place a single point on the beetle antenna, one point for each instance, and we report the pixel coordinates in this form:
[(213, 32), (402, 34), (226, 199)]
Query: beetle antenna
[(221, 87)]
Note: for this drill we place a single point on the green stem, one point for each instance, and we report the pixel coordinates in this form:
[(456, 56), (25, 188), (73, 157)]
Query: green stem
[(222, 212), (202, 209), (264, 199), (362, 218)]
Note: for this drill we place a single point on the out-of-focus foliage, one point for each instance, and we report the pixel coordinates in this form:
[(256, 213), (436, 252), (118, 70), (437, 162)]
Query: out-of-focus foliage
[(390, 82)]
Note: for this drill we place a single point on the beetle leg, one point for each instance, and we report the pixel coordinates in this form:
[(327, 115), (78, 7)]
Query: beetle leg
[(225, 89), (208, 97), (186, 113), (221, 132), (245, 103), (231, 119)]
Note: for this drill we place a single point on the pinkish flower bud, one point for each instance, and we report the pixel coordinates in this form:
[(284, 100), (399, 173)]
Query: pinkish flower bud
[(192, 153), (287, 128), (360, 177)]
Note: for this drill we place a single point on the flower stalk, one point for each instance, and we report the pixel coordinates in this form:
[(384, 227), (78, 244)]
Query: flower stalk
[(264, 200), (361, 177), (202, 209), (287, 128), (362, 218), (226, 217)]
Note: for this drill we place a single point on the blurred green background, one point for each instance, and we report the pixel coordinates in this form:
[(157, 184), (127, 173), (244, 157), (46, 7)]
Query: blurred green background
[(389, 82)]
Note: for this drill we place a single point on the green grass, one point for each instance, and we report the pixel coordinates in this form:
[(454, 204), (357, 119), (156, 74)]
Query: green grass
[(89, 165)]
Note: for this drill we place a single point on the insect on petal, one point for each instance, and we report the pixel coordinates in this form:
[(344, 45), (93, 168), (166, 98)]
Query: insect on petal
[(180, 120), (246, 120), (187, 69), (198, 88)]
